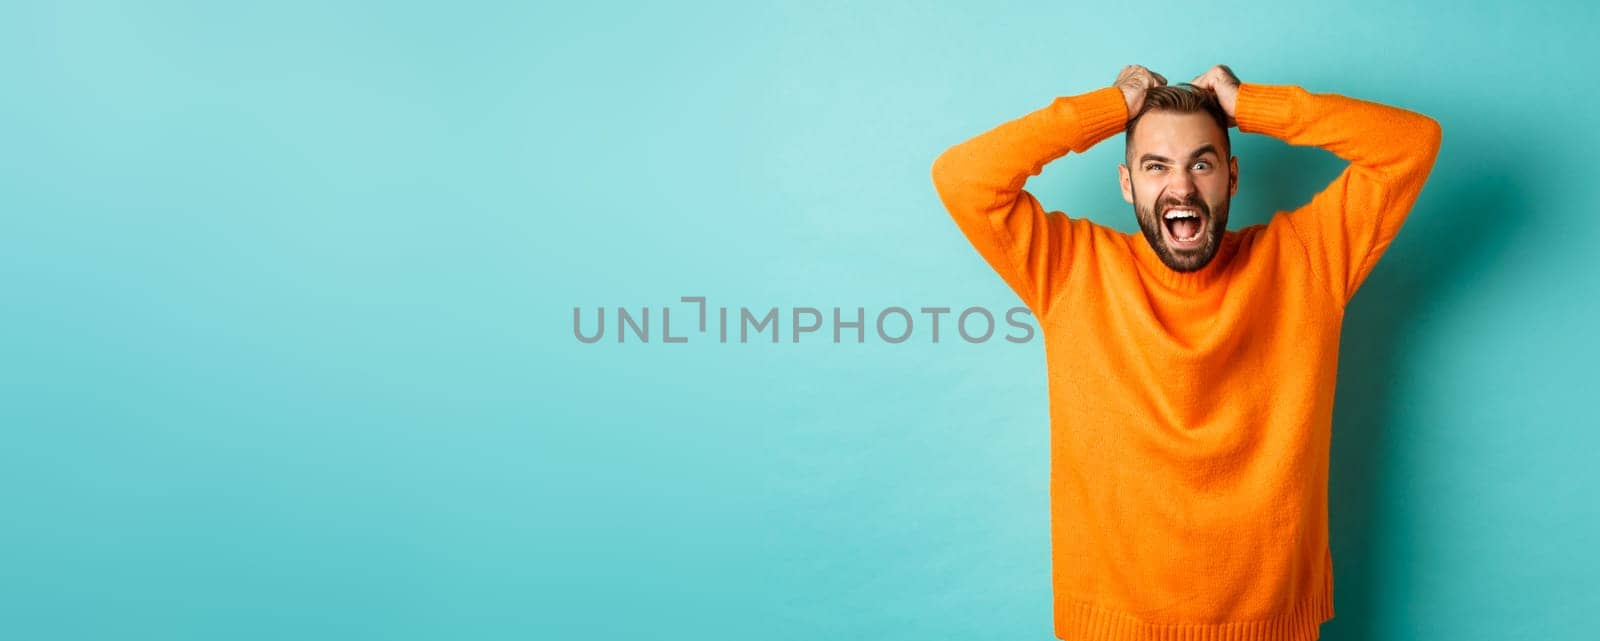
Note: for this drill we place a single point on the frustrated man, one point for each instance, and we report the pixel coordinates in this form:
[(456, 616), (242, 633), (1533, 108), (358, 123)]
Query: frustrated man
[(1191, 367)]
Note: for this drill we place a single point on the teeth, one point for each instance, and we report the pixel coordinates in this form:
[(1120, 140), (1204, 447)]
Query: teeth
[(1181, 213)]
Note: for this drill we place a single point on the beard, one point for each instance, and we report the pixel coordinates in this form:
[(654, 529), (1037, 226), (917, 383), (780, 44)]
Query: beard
[(1182, 260)]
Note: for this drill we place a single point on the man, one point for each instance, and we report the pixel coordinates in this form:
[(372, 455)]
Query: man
[(1191, 367)]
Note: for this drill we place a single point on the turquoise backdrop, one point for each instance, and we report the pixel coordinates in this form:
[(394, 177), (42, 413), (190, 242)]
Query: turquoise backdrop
[(288, 346)]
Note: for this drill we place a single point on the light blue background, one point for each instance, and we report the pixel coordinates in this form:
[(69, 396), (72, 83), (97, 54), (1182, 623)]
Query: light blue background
[(288, 288)]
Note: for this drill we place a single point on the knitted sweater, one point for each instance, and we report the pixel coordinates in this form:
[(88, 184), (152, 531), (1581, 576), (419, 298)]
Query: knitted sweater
[(1191, 413)]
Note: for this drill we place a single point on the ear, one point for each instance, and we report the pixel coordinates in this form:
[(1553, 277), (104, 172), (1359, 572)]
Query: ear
[(1126, 179), (1233, 175)]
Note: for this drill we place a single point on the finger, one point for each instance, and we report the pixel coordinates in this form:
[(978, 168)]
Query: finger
[(1160, 79)]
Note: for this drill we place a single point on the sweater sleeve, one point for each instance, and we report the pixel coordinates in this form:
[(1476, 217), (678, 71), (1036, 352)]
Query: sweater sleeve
[(980, 182), (1348, 225)]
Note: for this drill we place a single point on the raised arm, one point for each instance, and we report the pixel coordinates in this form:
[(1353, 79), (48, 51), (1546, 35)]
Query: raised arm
[(980, 182), (1348, 225)]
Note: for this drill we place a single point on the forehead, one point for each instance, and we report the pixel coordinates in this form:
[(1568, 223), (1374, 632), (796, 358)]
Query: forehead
[(1174, 135)]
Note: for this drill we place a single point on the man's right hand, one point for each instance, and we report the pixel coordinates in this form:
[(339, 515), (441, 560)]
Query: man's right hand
[(1134, 81)]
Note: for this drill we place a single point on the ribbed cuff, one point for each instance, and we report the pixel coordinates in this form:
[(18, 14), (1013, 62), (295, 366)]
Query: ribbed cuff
[(1265, 109), (1099, 114)]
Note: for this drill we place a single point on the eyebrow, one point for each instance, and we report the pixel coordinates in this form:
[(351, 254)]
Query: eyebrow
[(1207, 148)]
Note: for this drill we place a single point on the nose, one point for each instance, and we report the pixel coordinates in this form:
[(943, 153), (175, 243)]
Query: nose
[(1181, 185)]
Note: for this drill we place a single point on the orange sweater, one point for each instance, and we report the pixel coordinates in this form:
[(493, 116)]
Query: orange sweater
[(1191, 414)]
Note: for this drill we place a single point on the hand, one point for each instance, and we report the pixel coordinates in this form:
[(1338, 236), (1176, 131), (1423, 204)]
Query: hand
[(1220, 79), (1133, 81)]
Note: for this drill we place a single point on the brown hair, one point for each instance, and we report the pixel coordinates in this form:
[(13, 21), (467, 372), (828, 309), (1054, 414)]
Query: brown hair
[(1182, 98)]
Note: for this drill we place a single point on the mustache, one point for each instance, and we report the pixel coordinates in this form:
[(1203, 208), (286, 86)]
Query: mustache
[(1192, 202)]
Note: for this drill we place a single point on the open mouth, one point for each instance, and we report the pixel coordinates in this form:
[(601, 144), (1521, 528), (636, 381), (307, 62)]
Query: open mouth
[(1185, 227)]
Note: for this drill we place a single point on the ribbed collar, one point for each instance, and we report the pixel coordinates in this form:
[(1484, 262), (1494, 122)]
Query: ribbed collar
[(1187, 282)]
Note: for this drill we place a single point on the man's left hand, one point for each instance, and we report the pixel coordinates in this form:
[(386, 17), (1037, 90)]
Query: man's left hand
[(1221, 80)]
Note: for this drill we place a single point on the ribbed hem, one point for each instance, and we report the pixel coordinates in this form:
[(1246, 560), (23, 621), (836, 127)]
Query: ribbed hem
[(1077, 621), (1265, 109)]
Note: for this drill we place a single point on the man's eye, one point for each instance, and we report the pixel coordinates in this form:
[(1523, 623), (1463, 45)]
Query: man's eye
[(1152, 167), (1202, 165)]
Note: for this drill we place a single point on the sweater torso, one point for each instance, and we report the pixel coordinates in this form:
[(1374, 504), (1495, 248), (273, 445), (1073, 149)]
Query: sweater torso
[(1190, 430)]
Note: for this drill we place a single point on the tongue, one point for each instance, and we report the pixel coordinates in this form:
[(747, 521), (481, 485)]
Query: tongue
[(1185, 227)]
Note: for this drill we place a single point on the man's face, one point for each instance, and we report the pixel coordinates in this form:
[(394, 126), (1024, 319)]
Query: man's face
[(1179, 177)]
